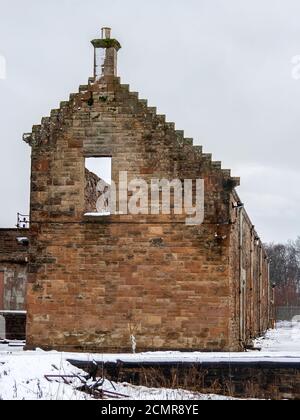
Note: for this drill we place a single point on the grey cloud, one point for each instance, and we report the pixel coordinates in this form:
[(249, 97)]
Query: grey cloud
[(221, 69)]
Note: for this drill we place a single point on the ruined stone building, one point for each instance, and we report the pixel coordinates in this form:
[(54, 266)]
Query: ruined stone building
[(100, 282)]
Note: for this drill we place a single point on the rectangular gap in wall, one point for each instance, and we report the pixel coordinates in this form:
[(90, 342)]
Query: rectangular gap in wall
[(98, 180)]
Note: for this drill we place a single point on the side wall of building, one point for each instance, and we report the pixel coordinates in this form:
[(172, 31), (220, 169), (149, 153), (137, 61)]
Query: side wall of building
[(249, 278)]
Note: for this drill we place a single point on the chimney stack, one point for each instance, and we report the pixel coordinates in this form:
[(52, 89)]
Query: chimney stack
[(105, 55)]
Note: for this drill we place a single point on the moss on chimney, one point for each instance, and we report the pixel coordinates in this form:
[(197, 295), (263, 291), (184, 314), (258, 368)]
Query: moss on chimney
[(107, 43)]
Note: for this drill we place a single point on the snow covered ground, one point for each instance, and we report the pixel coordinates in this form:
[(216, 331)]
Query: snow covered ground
[(22, 374), (284, 340), (23, 377)]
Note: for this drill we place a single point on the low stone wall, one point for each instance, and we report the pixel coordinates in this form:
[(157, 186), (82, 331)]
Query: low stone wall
[(261, 380)]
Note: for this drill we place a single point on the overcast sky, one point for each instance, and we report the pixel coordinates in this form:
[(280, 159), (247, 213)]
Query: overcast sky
[(220, 69)]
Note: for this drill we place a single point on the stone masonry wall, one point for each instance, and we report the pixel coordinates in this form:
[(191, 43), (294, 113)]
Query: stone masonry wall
[(94, 282), (249, 279)]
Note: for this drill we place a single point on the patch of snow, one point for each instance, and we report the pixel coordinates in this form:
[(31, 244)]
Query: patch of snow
[(22, 239), (285, 339), (104, 213), (13, 312), (23, 378), (177, 357)]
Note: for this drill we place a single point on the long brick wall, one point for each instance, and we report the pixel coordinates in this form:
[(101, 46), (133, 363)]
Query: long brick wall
[(249, 279)]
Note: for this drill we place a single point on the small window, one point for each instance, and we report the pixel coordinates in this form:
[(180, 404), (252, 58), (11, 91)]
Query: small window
[(97, 188)]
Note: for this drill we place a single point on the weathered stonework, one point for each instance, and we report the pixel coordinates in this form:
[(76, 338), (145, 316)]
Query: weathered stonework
[(94, 282)]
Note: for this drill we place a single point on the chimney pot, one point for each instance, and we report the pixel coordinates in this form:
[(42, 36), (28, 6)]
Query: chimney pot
[(106, 33)]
